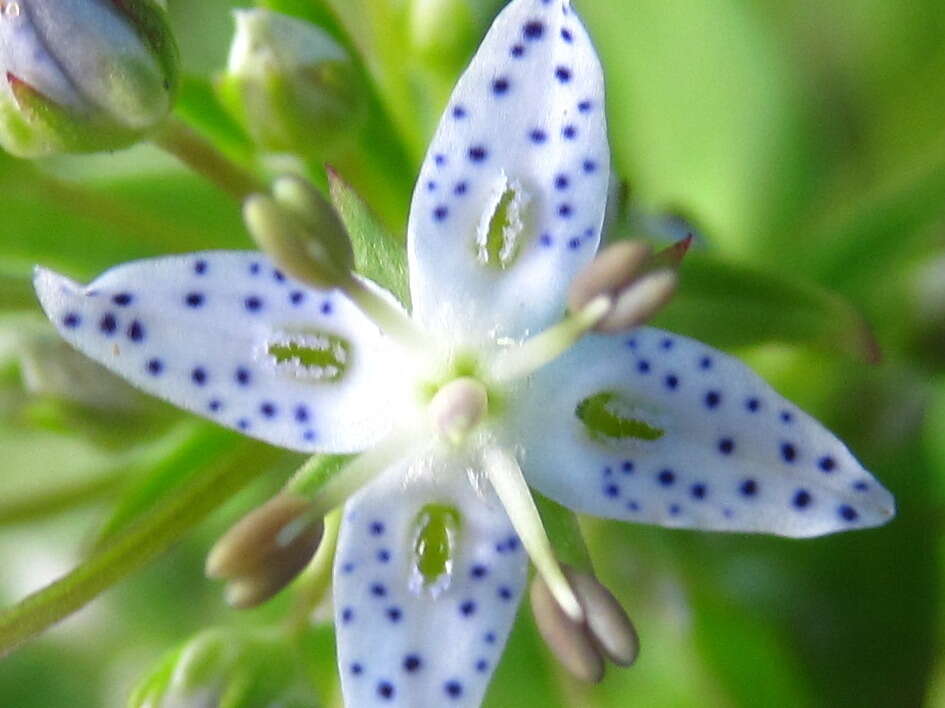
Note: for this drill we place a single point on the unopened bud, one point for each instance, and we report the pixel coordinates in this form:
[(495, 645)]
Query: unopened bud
[(458, 407), (612, 269), (309, 243), (581, 647), (83, 75), (227, 668), (265, 550), (291, 85), (302, 199), (640, 301)]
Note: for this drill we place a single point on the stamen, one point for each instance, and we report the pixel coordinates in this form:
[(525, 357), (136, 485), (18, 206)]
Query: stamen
[(509, 484), (333, 492), (543, 348)]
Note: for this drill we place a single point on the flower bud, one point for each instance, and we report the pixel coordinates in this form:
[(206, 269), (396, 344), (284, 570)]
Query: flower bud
[(291, 85), (605, 633), (265, 550), (301, 233), (83, 75), (226, 668)]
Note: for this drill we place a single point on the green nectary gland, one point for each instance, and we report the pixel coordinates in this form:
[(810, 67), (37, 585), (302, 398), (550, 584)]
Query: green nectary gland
[(437, 527), (603, 423), (326, 360), (496, 237)]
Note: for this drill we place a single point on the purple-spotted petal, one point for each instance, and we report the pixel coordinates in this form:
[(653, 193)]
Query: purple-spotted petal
[(524, 131), (733, 455), (227, 336), (413, 638)]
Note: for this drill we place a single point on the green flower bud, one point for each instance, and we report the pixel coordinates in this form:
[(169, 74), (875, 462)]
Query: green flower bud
[(82, 75), (227, 668), (291, 85)]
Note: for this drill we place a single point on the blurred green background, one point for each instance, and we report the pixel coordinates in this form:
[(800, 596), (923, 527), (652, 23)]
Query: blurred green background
[(804, 143)]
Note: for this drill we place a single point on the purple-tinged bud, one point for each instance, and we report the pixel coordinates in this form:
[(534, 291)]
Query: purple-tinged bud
[(83, 75)]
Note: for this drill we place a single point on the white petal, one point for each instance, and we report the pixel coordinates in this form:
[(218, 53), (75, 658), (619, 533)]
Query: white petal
[(734, 456), (402, 639), (528, 114), (197, 330)]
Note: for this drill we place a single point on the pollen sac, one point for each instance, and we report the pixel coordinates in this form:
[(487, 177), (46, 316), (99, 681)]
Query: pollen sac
[(83, 75), (265, 550)]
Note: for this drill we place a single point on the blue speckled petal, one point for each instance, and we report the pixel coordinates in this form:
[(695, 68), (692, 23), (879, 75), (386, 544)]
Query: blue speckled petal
[(734, 456), (408, 640), (198, 330), (527, 116)]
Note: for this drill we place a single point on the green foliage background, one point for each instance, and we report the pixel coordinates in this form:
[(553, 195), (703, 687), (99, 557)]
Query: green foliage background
[(805, 141)]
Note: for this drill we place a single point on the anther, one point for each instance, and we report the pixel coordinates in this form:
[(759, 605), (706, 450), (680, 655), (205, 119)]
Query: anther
[(618, 273), (605, 632), (257, 557)]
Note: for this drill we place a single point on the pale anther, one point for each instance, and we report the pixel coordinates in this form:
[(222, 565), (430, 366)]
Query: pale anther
[(609, 273), (581, 646), (457, 408), (640, 301)]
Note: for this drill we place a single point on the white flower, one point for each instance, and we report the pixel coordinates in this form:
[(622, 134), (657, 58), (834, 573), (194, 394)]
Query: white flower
[(462, 403)]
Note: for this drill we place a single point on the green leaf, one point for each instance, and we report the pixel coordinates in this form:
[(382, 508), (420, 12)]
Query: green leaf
[(729, 305), (377, 255)]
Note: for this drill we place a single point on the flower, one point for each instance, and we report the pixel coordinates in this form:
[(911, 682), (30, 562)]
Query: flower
[(487, 387)]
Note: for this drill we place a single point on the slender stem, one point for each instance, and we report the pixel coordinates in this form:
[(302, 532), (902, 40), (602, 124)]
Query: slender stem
[(153, 535), (194, 151)]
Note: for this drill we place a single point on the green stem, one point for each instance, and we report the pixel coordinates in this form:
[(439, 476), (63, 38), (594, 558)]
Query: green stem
[(153, 535), (182, 142), (61, 497)]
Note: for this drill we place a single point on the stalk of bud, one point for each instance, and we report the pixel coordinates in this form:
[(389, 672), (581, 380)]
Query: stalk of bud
[(291, 85), (605, 632), (265, 550), (83, 75)]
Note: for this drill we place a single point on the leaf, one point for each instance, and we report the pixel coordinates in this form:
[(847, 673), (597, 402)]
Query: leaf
[(377, 255), (729, 305)]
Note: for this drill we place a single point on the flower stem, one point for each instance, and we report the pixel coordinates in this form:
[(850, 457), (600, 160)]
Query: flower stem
[(153, 535), (176, 138), (60, 497)]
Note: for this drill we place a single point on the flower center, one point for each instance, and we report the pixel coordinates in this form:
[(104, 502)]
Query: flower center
[(458, 407)]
